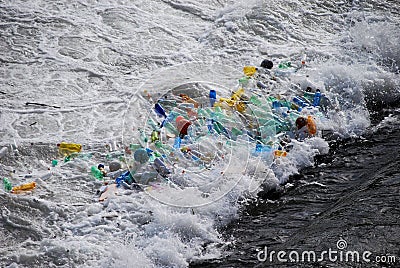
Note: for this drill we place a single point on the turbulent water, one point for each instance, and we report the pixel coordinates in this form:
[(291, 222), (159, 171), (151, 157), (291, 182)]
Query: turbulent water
[(80, 71)]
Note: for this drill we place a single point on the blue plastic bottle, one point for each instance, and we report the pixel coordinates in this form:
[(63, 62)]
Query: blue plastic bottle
[(213, 97), (124, 177), (210, 125), (317, 98), (161, 168), (177, 143), (300, 102), (160, 110)]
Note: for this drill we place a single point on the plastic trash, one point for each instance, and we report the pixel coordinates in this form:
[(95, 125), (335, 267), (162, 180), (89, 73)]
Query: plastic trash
[(285, 65), (160, 110), (23, 188), (312, 127), (300, 102), (249, 70), (317, 98), (213, 97), (96, 173), (141, 155), (170, 118), (114, 166), (69, 148), (187, 99), (102, 169), (154, 136), (261, 85), (124, 177), (161, 168), (177, 142), (182, 125), (54, 163), (267, 64), (280, 153), (143, 137), (7, 185)]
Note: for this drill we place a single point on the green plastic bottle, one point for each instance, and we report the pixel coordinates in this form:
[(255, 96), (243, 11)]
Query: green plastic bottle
[(96, 173), (7, 185), (284, 65)]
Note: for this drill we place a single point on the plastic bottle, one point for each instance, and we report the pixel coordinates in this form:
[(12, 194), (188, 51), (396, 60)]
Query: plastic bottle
[(261, 85), (177, 143), (263, 148), (166, 103), (69, 148), (23, 188), (285, 65), (317, 98), (210, 126), (159, 110), (7, 185), (124, 177), (219, 128), (143, 137), (300, 102), (161, 168), (96, 173), (170, 118), (141, 155), (154, 136), (153, 124), (213, 97)]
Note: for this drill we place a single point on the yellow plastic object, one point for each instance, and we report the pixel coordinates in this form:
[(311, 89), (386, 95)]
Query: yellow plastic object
[(234, 101), (280, 153), (23, 188), (312, 127), (249, 70), (236, 95), (69, 148)]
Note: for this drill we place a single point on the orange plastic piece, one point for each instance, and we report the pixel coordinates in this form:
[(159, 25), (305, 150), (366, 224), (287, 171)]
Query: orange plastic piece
[(23, 188), (279, 153), (312, 127), (188, 99)]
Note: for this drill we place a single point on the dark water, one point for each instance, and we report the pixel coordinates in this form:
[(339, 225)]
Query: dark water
[(353, 194)]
